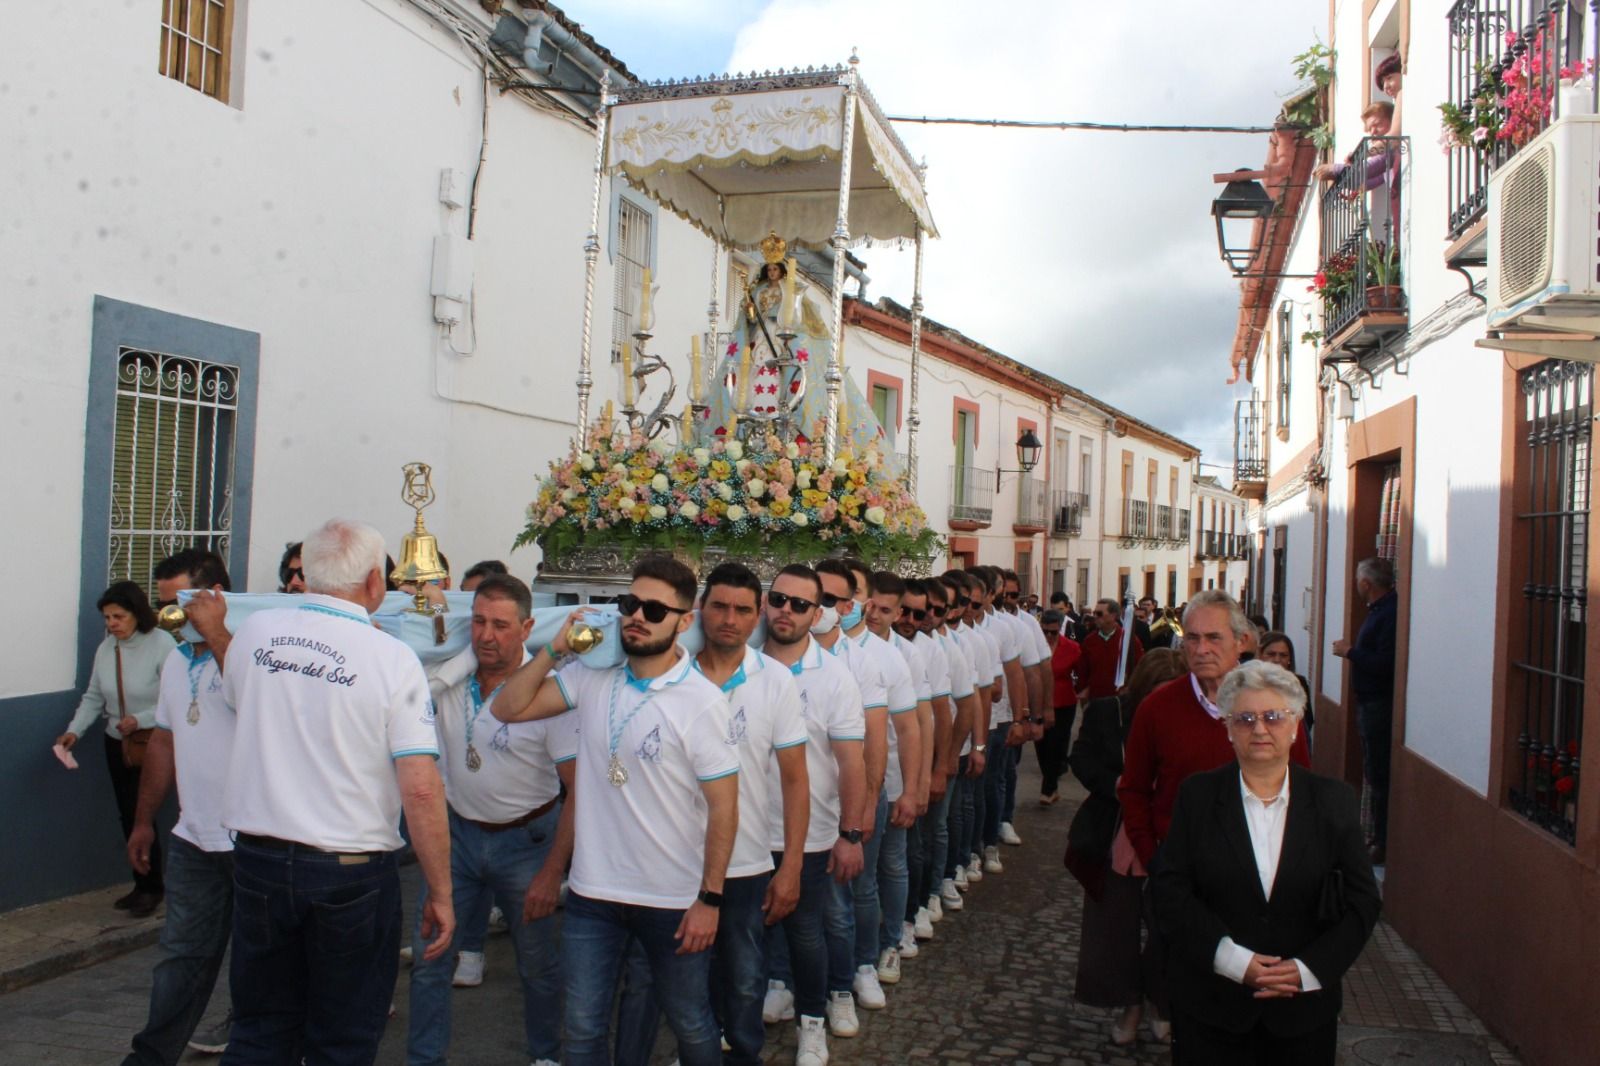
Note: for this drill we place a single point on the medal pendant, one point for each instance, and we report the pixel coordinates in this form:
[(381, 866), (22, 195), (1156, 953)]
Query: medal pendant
[(474, 760), (615, 773), (194, 712)]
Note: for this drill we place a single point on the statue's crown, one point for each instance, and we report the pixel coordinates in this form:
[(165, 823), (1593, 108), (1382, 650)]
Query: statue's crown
[(773, 247)]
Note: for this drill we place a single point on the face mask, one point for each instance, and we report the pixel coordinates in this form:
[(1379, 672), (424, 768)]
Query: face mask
[(853, 619), (826, 621)]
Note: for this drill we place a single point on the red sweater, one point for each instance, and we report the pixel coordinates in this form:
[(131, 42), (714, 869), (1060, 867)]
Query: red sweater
[(1172, 737), (1097, 669), (1063, 660)]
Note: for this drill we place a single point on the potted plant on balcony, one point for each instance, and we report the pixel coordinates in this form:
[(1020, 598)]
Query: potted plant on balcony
[(1384, 292), (1335, 281)]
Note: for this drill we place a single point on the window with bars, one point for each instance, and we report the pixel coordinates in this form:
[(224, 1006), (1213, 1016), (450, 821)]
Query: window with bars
[(1285, 351), (197, 44), (632, 256), (172, 460), (1552, 526)]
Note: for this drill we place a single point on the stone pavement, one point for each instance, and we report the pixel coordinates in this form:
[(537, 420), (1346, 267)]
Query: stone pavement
[(994, 986)]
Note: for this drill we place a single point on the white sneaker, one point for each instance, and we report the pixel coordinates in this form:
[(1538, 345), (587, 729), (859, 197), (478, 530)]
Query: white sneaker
[(889, 967), (923, 926), (842, 1018), (934, 909), (545, 1062), (868, 990), (908, 939), (1008, 834), (469, 970), (813, 1049), (779, 1004), (991, 860), (497, 920), (961, 882), (405, 954), (949, 894), (974, 870)]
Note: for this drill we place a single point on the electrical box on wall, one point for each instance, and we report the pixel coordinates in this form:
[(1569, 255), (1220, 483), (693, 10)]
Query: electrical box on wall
[(453, 187), (452, 278)]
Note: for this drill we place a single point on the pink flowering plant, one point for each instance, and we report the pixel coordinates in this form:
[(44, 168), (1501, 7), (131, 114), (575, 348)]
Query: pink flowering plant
[(760, 496), (1514, 105)]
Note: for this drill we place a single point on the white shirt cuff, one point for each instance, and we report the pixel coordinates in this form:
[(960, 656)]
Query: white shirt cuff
[(1308, 980), (1231, 960)]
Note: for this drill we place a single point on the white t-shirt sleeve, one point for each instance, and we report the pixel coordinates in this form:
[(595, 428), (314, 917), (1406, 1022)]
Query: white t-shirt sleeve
[(938, 667), (902, 691), (1034, 649), (788, 721), (846, 716), (962, 675), (707, 740), (1006, 640), (572, 678), (410, 714), (561, 737), (921, 676), (874, 694), (164, 697)]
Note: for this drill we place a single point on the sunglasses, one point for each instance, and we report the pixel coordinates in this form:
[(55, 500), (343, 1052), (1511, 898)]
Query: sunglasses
[(1050, 632), (293, 572), (1248, 719), (781, 600), (936, 610), (919, 614), (1013, 595), (963, 602), (654, 610), (830, 600)]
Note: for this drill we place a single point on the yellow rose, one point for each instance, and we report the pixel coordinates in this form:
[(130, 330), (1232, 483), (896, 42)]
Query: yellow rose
[(779, 509)]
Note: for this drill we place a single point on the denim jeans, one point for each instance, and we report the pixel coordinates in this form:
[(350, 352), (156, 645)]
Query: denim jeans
[(472, 927), (865, 888), (487, 866), (193, 941), (811, 950), (892, 887), (938, 840), (916, 846), (994, 787), (1375, 722), (962, 816), (973, 844), (638, 1016), (316, 948), (1008, 810), (594, 943)]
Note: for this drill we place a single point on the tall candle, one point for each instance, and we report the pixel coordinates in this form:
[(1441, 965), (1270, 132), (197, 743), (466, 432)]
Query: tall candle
[(627, 374), (686, 425), (694, 368), (744, 380), (786, 312), (605, 420), (644, 303)]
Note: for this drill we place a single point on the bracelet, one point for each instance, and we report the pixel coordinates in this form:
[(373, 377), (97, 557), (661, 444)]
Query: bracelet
[(550, 650)]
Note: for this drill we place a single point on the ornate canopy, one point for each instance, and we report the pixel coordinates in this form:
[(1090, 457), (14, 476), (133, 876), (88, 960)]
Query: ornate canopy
[(741, 156)]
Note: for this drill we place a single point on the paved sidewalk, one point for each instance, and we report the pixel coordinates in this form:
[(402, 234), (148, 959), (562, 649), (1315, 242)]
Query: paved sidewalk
[(994, 986)]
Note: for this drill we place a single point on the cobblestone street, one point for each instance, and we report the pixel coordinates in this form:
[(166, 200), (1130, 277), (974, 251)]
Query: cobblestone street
[(994, 986)]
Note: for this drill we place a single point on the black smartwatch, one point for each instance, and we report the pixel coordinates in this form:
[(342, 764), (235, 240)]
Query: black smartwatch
[(710, 898), (850, 836)]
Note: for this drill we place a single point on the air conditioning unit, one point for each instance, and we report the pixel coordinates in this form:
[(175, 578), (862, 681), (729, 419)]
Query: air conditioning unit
[(1544, 232)]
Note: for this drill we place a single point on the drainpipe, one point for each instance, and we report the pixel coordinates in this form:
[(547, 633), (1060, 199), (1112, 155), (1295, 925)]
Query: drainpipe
[(542, 26)]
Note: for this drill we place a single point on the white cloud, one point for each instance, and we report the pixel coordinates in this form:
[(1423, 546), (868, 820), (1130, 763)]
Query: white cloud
[(1089, 255)]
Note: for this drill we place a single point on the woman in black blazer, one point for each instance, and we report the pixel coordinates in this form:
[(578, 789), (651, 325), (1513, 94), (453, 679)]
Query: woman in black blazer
[(1263, 891)]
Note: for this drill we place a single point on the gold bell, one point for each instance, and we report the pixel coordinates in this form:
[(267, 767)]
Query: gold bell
[(419, 551), (583, 637), (172, 618)]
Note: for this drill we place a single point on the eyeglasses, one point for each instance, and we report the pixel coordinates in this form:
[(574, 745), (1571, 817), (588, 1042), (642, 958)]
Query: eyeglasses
[(936, 610), (830, 600), (795, 603), (292, 572), (918, 613), (1013, 595), (654, 610), (1050, 632), (1248, 719), (963, 602)]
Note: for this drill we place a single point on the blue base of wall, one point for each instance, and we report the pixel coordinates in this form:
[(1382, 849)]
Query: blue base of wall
[(62, 835)]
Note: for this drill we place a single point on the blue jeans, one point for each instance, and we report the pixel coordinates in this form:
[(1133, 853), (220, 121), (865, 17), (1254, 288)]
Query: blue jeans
[(594, 942), (962, 814), (939, 844), (193, 941), (316, 948), (864, 891), (472, 927), (1008, 810), (813, 939), (994, 786), (488, 866), (638, 1017), (928, 867), (916, 851), (893, 886)]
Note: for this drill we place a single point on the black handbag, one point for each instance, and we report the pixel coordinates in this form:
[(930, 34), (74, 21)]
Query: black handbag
[(1089, 838)]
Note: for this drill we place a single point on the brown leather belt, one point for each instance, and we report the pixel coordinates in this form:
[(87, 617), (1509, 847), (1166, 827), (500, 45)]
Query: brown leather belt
[(515, 823)]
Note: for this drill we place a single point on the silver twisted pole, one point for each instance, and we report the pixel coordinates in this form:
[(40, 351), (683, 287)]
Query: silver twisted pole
[(841, 237), (913, 418), (591, 255), (710, 356)]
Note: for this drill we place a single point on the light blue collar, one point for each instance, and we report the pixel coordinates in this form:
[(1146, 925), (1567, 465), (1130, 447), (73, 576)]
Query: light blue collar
[(334, 606), (671, 676)]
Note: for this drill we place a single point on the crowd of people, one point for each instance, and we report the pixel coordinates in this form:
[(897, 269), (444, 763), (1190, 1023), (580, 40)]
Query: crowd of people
[(758, 833)]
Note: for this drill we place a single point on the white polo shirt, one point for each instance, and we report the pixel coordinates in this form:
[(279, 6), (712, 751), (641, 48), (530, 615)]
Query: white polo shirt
[(326, 702), (963, 653), (1008, 643), (831, 708), (1041, 647), (874, 653), (202, 743), (987, 656), (645, 843), (516, 760), (937, 663), (765, 715)]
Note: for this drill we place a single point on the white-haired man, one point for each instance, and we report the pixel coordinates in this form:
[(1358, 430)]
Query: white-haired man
[(335, 736)]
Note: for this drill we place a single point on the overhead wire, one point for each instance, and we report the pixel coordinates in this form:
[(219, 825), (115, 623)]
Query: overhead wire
[(1096, 127)]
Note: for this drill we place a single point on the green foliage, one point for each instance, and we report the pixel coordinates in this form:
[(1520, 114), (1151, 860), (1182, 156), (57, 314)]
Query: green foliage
[(1315, 64)]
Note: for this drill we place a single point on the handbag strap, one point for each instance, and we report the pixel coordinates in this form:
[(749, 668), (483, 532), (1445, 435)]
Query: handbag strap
[(122, 705)]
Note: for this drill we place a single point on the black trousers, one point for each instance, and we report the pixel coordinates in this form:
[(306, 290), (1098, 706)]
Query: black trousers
[(1196, 1043), (125, 784), (1375, 721), (1052, 749)]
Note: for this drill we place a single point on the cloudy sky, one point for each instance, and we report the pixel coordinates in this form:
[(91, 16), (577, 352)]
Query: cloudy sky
[(1091, 256)]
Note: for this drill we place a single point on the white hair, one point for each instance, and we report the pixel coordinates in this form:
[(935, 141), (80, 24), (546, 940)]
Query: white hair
[(1217, 598), (1378, 571), (338, 556), (1258, 675)]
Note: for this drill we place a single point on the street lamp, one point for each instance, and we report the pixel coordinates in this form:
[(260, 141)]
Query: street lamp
[(1028, 449), (1236, 210)]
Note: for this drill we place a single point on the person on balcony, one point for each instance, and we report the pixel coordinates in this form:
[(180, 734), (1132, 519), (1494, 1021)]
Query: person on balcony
[(1378, 121)]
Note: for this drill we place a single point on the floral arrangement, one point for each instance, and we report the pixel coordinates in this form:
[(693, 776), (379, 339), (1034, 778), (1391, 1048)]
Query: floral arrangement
[(758, 497), (1511, 106), (1336, 280)]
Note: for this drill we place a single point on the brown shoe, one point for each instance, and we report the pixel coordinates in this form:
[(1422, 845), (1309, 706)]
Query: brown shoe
[(144, 904), (122, 903), (1379, 854)]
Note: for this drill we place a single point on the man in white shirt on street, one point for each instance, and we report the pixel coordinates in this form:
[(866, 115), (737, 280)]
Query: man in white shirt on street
[(657, 798), (922, 906), (334, 736)]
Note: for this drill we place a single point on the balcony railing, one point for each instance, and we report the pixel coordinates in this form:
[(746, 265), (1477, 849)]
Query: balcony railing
[(1031, 511), (1183, 523), (1506, 66), (1135, 518), (1362, 271), (971, 495), (1206, 546), (1239, 546), (1249, 459), (1066, 512), (1164, 522)]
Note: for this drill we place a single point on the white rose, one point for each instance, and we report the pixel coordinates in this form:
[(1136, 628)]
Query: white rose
[(725, 490), (755, 489), (802, 480), (702, 456), (689, 511), (735, 512), (568, 495), (586, 462), (875, 515), (618, 468), (735, 449), (792, 450), (625, 487), (840, 466), (657, 511), (743, 466), (659, 483), (799, 518)]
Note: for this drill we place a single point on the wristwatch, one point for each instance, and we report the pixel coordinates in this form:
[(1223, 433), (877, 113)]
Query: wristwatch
[(980, 748), (850, 836), (710, 898)]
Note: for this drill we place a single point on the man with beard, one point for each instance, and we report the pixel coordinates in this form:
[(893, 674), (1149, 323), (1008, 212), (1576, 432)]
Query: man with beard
[(657, 797), (819, 950), (964, 864), (914, 627)]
